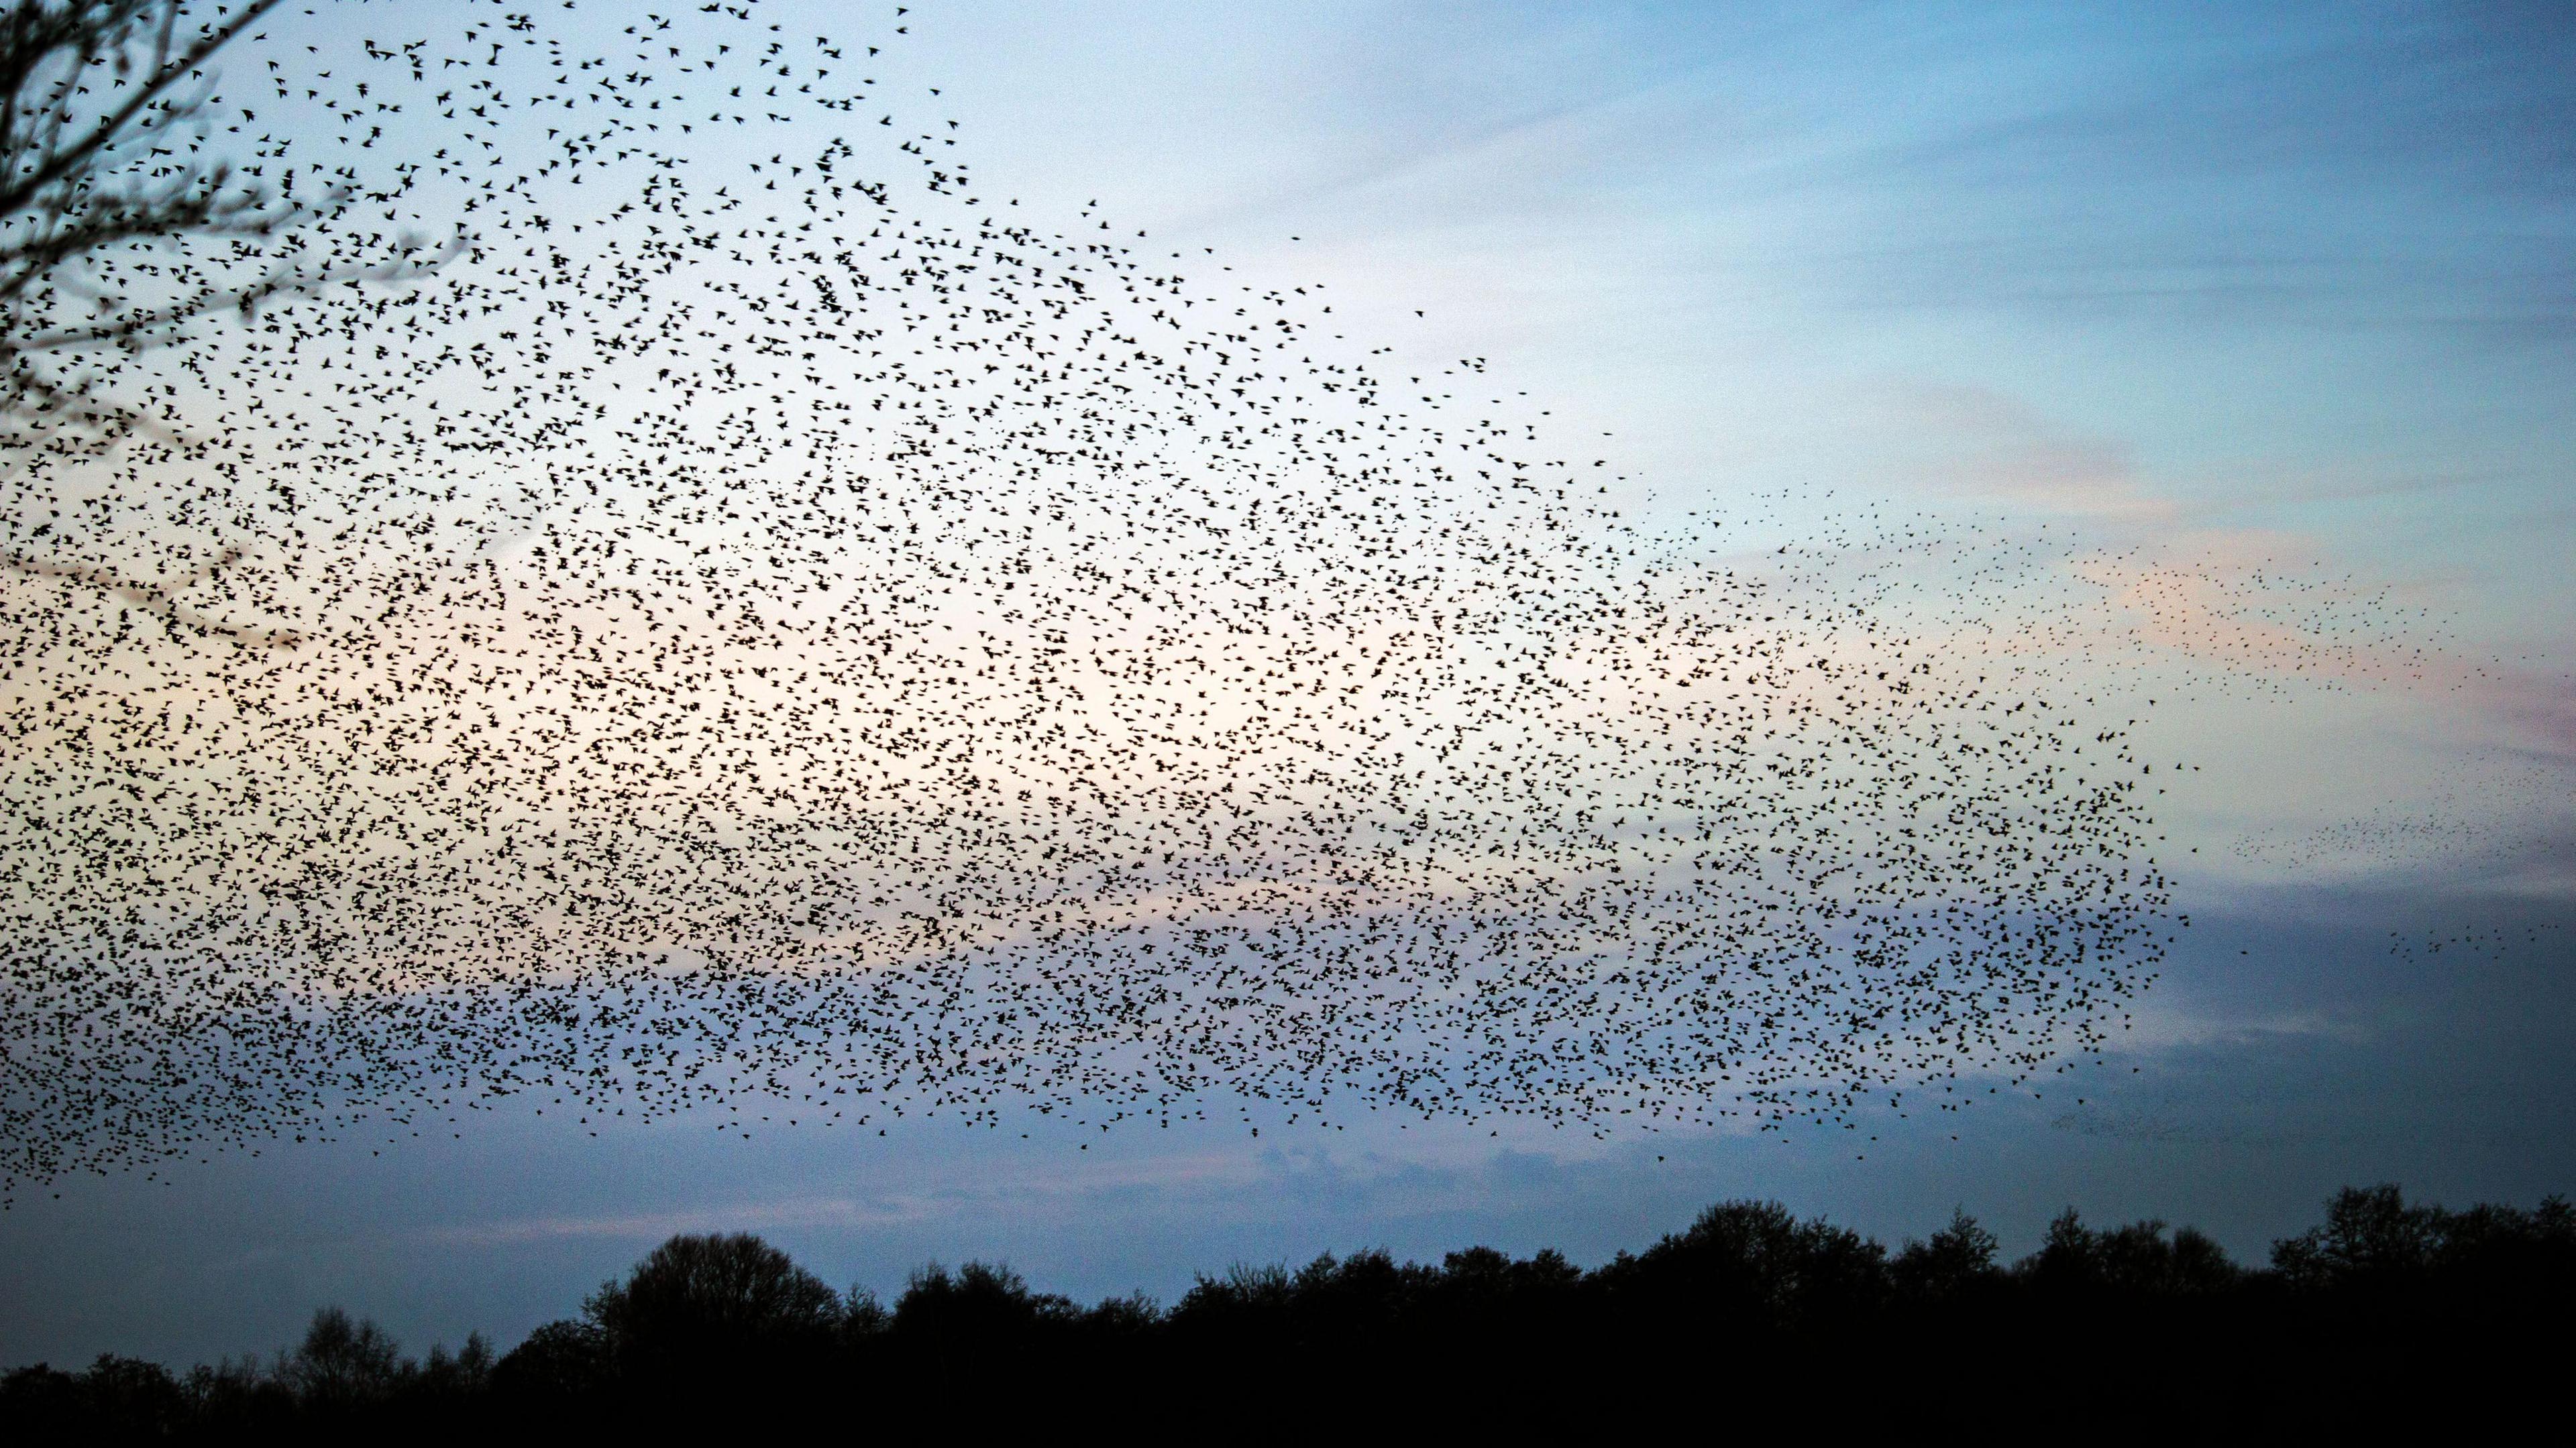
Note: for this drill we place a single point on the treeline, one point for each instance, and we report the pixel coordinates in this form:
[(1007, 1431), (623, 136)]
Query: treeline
[(2385, 1306)]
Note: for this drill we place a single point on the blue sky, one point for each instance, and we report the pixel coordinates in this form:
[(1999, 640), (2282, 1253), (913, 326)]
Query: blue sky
[(2260, 315)]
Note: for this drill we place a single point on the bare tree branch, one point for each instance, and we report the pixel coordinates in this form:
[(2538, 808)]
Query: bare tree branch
[(78, 177), (108, 18), (160, 598)]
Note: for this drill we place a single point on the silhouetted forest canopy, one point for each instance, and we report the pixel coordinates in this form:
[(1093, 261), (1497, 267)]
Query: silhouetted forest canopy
[(2385, 1305)]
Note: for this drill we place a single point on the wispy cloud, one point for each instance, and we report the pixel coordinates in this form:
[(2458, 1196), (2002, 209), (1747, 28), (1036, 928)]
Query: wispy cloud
[(1982, 444)]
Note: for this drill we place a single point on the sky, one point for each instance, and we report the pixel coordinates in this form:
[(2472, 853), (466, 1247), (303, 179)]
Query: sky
[(2251, 323)]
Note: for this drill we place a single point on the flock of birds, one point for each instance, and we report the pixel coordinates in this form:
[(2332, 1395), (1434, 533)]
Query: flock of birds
[(2483, 813), (681, 617), (2490, 943)]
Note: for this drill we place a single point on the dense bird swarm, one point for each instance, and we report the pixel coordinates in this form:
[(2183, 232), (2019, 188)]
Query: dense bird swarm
[(722, 606)]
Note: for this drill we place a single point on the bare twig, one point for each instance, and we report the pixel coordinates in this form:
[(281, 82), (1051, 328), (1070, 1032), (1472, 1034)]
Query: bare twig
[(76, 179), (159, 598)]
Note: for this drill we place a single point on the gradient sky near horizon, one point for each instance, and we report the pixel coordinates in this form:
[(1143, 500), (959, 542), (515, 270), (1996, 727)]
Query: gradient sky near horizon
[(2270, 309)]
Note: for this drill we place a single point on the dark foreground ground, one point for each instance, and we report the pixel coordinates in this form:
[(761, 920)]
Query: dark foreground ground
[(2387, 1313)]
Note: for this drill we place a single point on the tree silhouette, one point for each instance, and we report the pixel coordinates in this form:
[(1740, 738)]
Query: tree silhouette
[(1752, 1267), (2369, 1234), (1953, 1262), (561, 1360), (695, 1297), (2384, 1305), (461, 1374), (343, 1363), (982, 1301)]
